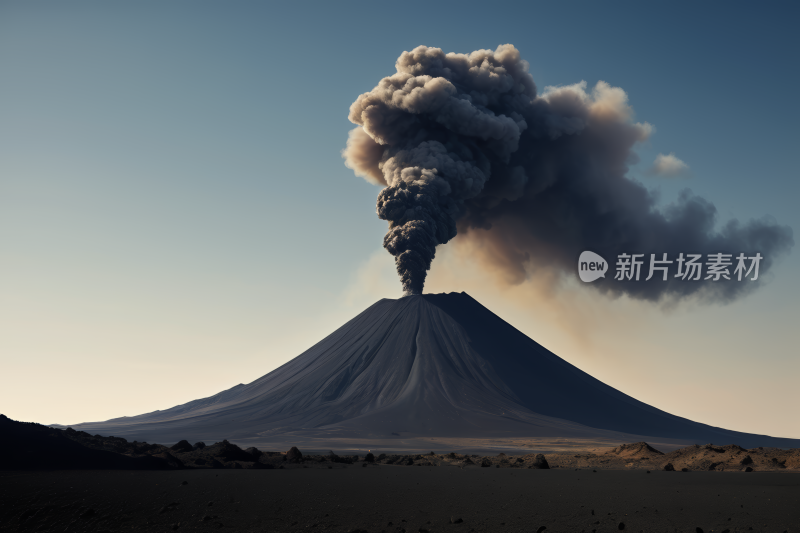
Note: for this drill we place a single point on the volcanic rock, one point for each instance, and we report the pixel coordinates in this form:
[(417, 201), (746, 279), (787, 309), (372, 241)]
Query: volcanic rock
[(294, 455), (255, 452), (182, 446), (638, 450), (170, 460), (227, 452), (540, 463), (30, 446)]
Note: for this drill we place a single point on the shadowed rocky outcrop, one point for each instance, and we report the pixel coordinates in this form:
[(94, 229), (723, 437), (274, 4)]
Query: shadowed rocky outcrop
[(30, 446)]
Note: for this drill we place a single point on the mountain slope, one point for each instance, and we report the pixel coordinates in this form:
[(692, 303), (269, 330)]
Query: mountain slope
[(435, 365)]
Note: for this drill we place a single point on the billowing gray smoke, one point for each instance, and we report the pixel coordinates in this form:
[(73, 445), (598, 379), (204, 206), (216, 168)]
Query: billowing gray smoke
[(464, 144)]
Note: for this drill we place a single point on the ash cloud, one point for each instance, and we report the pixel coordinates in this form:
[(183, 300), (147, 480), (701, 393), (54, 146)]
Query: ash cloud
[(465, 144)]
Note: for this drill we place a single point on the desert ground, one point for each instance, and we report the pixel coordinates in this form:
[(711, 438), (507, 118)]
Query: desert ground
[(67, 480), (389, 498)]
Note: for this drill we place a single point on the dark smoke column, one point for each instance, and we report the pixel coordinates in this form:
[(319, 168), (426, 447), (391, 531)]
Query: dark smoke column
[(413, 230), (430, 132), (464, 144)]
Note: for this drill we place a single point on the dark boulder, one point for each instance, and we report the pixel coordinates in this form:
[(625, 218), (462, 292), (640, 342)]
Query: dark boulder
[(199, 445), (228, 452), (669, 468), (171, 461), (485, 462), (369, 458), (255, 452), (540, 463), (294, 455), (332, 457), (182, 447)]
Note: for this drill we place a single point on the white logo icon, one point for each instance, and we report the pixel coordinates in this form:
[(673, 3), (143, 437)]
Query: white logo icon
[(591, 266)]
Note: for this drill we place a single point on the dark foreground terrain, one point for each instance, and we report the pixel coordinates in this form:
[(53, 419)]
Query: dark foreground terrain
[(66, 480), (30, 446), (390, 498)]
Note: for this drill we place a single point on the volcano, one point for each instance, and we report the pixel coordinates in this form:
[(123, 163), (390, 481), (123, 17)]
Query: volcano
[(432, 368)]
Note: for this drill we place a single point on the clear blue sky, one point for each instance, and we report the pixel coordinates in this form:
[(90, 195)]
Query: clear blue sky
[(175, 216)]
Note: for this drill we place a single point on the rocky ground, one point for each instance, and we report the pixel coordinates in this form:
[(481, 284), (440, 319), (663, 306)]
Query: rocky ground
[(27, 446), (53, 480), (395, 499), (641, 456), (636, 456)]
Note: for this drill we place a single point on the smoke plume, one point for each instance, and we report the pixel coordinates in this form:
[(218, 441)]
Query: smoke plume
[(465, 144)]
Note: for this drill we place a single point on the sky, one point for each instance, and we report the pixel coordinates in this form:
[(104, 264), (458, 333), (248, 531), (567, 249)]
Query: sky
[(176, 217)]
